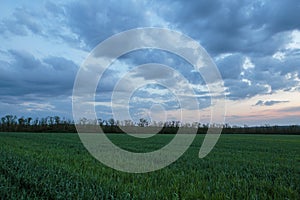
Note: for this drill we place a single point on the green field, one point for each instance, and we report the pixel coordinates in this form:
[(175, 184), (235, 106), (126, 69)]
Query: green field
[(57, 166)]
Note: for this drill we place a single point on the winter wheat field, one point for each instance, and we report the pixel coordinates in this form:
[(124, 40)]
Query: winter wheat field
[(57, 166)]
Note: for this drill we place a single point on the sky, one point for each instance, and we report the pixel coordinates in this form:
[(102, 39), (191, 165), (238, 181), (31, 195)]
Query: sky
[(255, 45)]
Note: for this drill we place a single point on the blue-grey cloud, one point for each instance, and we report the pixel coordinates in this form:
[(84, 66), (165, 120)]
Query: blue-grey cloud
[(22, 22), (222, 27), (94, 21), (27, 75), (269, 103), (237, 89), (179, 64), (291, 63), (231, 66), (60, 63), (24, 60), (234, 26)]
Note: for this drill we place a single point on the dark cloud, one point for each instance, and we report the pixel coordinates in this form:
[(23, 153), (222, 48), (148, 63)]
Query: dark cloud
[(234, 26), (269, 103), (289, 64), (60, 63), (94, 21), (278, 16), (255, 27), (177, 63), (278, 74), (250, 28), (245, 28), (231, 66), (24, 60), (108, 81), (237, 89), (27, 76)]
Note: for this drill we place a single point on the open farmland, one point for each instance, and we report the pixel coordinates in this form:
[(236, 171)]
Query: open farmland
[(57, 166)]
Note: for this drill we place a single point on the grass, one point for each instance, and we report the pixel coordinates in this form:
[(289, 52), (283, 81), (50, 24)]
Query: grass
[(57, 166)]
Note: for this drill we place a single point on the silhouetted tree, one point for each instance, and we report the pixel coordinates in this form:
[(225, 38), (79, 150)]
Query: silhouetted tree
[(111, 122), (143, 122)]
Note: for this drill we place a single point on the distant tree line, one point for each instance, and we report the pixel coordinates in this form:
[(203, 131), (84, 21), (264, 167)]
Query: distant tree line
[(12, 123)]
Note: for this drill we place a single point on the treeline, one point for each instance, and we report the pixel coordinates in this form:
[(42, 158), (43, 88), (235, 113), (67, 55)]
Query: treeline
[(12, 123)]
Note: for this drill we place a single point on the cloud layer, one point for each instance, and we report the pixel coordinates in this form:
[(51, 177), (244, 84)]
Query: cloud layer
[(255, 45)]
